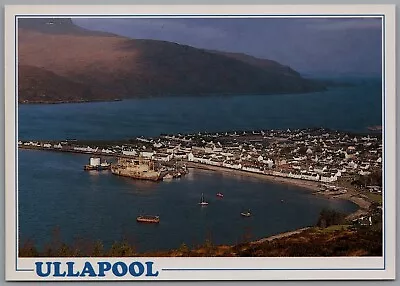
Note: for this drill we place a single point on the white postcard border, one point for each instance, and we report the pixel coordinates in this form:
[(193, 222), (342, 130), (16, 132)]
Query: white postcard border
[(213, 268)]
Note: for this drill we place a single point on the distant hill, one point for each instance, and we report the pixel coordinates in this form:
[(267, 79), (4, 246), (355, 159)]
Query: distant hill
[(38, 85), (268, 65), (61, 62)]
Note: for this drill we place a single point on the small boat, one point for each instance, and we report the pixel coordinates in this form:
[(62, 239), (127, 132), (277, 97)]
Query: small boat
[(148, 218), (168, 177), (246, 214), (203, 202), (220, 195)]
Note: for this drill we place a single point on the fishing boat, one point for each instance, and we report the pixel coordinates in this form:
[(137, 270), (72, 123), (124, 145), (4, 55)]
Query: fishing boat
[(220, 195), (203, 202), (148, 218), (246, 213)]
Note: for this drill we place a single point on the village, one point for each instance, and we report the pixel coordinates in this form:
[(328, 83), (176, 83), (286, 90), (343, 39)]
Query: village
[(316, 155)]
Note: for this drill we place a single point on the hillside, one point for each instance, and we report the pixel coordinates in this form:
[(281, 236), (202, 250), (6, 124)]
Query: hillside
[(334, 241), (70, 64), (38, 85)]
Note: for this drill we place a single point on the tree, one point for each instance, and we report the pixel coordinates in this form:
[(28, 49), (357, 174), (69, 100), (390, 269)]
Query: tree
[(330, 217)]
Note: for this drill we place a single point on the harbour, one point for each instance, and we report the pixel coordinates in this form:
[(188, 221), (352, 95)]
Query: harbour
[(101, 201)]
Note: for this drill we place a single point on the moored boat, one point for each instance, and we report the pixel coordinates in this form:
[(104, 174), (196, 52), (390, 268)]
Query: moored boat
[(168, 177), (148, 218), (220, 195), (246, 213), (202, 201)]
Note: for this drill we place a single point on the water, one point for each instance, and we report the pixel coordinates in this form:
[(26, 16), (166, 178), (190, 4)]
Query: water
[(57, 194), (351, 108), (54, 191)]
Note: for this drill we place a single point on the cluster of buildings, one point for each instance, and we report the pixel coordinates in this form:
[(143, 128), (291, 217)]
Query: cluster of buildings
[(308, 154)]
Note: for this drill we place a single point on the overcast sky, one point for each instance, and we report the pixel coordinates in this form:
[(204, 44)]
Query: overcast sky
[(326, 46)]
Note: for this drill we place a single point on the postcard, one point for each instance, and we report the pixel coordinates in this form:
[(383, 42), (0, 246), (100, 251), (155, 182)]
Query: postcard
[(200, 142)]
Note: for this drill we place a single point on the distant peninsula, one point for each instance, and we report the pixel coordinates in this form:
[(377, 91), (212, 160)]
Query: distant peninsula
[(60, 62)]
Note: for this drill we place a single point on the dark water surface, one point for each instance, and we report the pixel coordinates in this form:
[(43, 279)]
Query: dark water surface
[(351, 108), (55, 192)]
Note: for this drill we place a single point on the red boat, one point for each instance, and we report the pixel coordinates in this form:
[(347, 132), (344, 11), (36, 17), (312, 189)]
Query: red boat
[(220, 195), (148, 218)]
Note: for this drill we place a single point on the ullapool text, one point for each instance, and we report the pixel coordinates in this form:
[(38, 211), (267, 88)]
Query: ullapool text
[(92, 269)]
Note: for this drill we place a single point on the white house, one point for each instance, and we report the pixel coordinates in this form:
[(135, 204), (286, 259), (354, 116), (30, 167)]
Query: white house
[(364, 173), (252, 169), (269, 162), (236, 166), (147, 154), (190, 157), (328, 179), (162, 157), (57, 146), (129, 152), (157, 145), (180, 155)]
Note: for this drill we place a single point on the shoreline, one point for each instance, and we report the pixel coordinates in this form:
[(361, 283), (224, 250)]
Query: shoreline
[(351, 195), (310, 185)]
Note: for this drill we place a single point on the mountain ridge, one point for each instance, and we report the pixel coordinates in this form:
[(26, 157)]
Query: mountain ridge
[(104, 66)]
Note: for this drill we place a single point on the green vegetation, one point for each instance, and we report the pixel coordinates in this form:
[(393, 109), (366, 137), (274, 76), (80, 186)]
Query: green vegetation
[(377, 198), (334, 240), (330, 217), (332, 228), (373, 179)]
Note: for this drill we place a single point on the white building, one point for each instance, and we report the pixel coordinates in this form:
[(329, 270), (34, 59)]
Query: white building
[(162, 157), (269, 162), (237, 166), (147, 154), (157, 145), (327, 179), (57, 146), (129, 152), (94, 161), (364, 173), (252, 169)]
